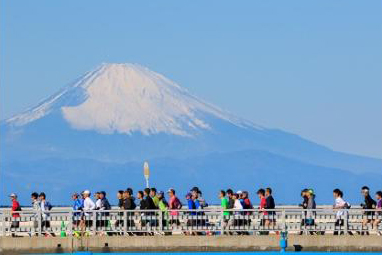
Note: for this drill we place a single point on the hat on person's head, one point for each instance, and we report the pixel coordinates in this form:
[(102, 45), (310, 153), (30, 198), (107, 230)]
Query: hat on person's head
[(86, 192), (196, 189), (170, 190), (13, 195), (239, 192), (103, 193), (161, 192), (311, 191)]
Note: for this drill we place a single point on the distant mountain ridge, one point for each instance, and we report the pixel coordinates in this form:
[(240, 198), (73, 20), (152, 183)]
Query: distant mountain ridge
[(121, 113)]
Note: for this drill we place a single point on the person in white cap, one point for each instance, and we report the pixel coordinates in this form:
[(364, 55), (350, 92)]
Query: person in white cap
[(88, 202), (89, 205), (14, 212)]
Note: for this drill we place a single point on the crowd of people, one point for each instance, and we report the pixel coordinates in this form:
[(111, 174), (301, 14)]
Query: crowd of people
[(232, 203)]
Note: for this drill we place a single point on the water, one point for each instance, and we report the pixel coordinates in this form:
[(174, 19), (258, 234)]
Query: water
[(214, 253)]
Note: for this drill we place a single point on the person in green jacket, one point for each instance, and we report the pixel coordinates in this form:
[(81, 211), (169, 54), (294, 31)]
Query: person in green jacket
[(223, 202), (163, 207), (153, 195), (225, 205)]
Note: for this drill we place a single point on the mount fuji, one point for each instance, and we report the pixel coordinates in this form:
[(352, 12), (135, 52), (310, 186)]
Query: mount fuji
[(109, 120)]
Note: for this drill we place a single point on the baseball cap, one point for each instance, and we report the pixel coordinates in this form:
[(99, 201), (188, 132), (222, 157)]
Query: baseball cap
[(160, 192), (239, 192), (86, 192), (170, 190), (13, 195)]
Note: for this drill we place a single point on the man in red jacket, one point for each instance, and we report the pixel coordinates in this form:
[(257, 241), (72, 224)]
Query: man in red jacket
[(14, 212)]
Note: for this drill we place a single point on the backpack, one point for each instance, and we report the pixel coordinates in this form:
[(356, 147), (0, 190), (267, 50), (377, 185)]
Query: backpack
[(48, 205), (133, 205)]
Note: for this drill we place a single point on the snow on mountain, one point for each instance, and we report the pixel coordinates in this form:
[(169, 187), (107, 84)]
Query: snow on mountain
[(127, 98), (125, 112)]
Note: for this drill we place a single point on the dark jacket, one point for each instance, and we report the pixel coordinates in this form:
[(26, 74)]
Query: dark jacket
[(369, 204), (231, 203), (128, 204), (148, 203), (270, 204)]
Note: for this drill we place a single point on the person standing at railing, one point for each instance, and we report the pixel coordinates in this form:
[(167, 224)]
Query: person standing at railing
[(369, 204), (36, 208), (247, 205), (174, 205), (262, 207), (340, 205), (104, 206), (304, 205), (89, 206), (129, 205), (378, 213), (153, 195), (97, 200), (45, 208), (231, 202), (78, 205), (270, 204), (224, 205), (238, 207), (14, 213), (163, 207), (190, 198), (311, 207)]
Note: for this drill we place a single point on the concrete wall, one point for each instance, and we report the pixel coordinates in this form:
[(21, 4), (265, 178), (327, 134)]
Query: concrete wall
[(9, 245)]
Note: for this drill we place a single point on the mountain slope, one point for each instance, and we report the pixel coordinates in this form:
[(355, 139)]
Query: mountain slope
[(125, 112)]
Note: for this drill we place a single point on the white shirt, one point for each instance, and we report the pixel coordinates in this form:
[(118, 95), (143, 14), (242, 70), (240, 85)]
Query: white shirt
[(237, 205), (88, 205), (339, 203), (98, 204), (44, 210)]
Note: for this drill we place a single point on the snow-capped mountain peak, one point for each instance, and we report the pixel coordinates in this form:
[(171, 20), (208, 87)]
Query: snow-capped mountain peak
[(127, 98)]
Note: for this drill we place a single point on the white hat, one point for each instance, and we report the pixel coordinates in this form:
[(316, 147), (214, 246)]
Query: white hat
[(86, 192), (239, 192), (13, 195)]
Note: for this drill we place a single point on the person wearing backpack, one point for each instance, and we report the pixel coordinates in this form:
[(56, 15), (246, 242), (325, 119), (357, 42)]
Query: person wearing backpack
[(340, 205), (45, 207), (15, 216)]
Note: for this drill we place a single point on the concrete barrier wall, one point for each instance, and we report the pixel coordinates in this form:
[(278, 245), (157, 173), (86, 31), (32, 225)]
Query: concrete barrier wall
[(9, 245)]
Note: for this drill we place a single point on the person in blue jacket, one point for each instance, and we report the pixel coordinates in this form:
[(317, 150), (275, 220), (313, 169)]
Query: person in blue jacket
[(78, 205)]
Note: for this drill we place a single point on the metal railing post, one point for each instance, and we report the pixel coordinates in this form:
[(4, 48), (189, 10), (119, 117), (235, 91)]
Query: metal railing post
[(3, 224), (346, 221), (283, 220), (125, 215), (222, 222), (160, 219), (39, 217), (94, 222), (70, 223)]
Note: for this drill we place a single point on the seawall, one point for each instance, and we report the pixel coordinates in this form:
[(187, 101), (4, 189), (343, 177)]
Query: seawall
[(9, 245)]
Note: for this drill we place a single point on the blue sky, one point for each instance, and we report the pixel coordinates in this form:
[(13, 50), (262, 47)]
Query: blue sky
[(313, 68)]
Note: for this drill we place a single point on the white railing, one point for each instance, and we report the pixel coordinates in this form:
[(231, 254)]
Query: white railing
[(209, 221)]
